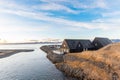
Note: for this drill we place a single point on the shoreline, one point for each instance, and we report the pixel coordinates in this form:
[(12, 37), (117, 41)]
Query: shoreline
[(51, 55), (8, 52), (102, 64)]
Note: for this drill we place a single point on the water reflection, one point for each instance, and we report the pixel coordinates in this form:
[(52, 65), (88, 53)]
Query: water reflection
[(28, 65)]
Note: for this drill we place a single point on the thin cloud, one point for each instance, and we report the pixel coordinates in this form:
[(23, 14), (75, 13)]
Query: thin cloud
[(54, 7), (79, 3), (70, 6), (45, 16), (16, 28), (111, 14)]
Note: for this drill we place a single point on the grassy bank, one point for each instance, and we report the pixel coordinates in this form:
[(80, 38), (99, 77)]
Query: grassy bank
[(102, 64)]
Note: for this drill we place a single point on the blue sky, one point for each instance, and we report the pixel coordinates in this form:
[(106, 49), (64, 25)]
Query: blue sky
[(22, 20)]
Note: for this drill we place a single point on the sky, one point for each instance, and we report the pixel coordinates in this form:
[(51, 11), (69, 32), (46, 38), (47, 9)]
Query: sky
[(23, 20)]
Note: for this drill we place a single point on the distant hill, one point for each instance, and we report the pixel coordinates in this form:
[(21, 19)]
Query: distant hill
[(115, 40), (2, 41)]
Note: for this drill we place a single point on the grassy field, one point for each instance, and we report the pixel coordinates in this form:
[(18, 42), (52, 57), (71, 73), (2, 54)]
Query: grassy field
[(103, 64)]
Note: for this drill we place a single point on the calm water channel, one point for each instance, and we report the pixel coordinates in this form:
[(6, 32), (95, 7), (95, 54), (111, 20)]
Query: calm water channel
[(28, 65)]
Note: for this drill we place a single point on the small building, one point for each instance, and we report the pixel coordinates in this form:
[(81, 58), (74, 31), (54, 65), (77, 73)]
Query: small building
[(76, 45), (100, 42)]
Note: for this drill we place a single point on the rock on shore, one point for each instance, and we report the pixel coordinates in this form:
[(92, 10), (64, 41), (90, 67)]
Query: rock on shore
[(103, 64)]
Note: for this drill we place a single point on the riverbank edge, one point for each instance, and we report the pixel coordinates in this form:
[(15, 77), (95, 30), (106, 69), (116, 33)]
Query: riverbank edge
[(89, 65), (58, 59), (53, 57)]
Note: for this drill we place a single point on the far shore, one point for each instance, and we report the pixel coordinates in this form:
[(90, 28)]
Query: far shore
[(8, 52)]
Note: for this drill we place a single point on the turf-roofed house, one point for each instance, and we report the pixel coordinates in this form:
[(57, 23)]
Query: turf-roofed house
[(99, 42), (79, 45), (76, 45)]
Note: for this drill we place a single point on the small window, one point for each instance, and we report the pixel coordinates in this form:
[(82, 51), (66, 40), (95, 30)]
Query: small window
[(79, 45), (84, 49), (67, 50), (64, 50), (64, 45), (95, 44)]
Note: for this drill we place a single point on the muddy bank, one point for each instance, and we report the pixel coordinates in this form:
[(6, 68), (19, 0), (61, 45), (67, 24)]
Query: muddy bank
[(53, 57), (47, 49), (7, 52)]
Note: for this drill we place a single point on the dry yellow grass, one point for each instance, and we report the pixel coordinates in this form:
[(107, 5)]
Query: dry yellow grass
[(109, 54), (102, 64)]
